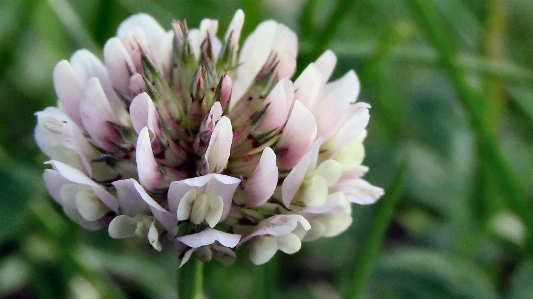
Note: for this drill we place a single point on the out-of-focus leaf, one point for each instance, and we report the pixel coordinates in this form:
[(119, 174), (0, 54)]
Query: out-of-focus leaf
[(521, 286), (424, 274), (18, 185)]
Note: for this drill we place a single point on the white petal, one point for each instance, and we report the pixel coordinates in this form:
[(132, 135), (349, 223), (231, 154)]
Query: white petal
[(199, 209), (218, 151), (307, 86), (278, 225), (330, 170), (185, 205), (325, 64), (144, 114), (208, 236), (262, 249), (74, 175), (289, 243), (268, 38), (149, 174), (153, 237), (89, 205), (293, 181), (129, 200), (214, 213), (314, 192), (119, 65), (122, 226), (69, 87)]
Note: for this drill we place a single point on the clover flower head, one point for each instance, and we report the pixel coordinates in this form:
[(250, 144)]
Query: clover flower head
[(183, 138)]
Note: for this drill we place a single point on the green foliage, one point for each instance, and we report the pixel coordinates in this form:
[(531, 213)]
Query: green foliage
[(450, 84)]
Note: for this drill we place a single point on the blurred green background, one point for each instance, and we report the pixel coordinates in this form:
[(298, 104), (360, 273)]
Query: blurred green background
[(450, 84)]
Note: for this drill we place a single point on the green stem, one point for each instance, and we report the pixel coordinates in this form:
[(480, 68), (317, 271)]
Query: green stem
[(490, 150), (370, 248), (190, 280)]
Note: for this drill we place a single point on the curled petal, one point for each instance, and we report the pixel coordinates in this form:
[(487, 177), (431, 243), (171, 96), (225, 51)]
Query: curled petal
[(278, 225), (211, 184), (289, 243), (168, 220), (298, 135), (263, 181), (54, 127), (74, 175), (218, 151), (129, 200), (209, 236), (149, 174)]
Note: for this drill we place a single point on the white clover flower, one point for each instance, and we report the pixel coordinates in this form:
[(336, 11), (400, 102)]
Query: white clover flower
[(182, 137)]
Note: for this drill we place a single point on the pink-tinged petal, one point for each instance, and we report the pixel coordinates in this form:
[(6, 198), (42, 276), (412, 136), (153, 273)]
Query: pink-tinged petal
[(87, 66), (334, 99), (218, 151), (137, 84), (263, 181), (96, 115), (144, 114), (209, 236), (226, 86), (325, 64), (298, 135), (350, 129), (279, 103), (294, 180), (129, 200), (278, 225), (269, 38), (223, 186), (143, 29), (69, 87), (55, 127), (235, 28), (168, 220), (74, 175), (149, 174), (119, 65), (308, 85)]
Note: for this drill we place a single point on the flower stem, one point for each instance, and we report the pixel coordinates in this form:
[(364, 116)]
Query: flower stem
[(190, 280)]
